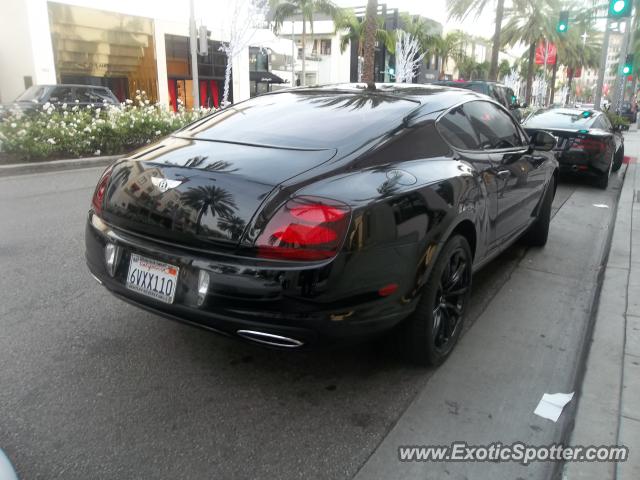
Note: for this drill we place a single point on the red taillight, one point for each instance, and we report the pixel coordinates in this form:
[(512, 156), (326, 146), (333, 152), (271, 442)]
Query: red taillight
[(305, 228), (590, 144), (98, 195)]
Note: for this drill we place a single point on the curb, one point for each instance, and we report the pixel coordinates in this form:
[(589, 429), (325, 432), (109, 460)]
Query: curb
[(56, 165), (568, 428)]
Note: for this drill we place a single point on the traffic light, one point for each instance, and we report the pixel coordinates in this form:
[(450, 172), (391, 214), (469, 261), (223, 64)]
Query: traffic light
[(619, 8), (627, 68), (563, 22)]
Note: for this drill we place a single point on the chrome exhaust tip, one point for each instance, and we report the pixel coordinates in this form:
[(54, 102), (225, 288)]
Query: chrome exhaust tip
[(270, 339)]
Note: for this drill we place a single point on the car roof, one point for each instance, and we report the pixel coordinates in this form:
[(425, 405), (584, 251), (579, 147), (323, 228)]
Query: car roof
[(437, 97), (569, 111), (470, 82), (75, 85)]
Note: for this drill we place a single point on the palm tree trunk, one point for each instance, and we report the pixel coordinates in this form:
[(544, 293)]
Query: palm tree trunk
[(552, 90), (368, 74), (569, 82), (532, 54), (493, 71), (303, 80)]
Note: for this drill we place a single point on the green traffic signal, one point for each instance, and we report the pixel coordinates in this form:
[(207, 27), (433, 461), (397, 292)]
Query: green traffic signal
[(627, 68), (619, 8), (563, 22)]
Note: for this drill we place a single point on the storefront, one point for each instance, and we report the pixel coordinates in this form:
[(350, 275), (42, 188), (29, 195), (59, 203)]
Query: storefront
[(211, 70), (94, 47), (260, 78)]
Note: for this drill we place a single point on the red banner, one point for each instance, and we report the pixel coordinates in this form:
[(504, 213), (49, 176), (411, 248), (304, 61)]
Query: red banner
[(552, 54)]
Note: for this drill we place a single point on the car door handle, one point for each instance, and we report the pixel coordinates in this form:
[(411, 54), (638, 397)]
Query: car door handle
[(503, 173)]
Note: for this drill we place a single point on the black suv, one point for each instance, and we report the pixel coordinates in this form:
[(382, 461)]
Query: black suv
[(499, 92), (37, 96)]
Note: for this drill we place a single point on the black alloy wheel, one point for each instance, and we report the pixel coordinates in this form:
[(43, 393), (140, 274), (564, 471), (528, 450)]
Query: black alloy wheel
[(431, 332), (618, 159)]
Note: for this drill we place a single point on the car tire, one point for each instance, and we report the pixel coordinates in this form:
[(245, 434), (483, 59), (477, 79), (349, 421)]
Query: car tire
[(538, 232), (432, 330), (618, 159)]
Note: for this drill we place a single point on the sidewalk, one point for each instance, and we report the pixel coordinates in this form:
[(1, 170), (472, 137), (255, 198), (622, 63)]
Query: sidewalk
[(609, 400), (530, 339)]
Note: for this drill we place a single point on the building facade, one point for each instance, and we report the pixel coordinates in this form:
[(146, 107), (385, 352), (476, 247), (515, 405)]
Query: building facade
[(119, 45)]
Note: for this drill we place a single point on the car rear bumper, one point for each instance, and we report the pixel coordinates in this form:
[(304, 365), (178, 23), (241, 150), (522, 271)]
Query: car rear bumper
[(296, 303), (581, 163)]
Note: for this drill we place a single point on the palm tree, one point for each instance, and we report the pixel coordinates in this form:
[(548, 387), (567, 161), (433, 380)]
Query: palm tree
[(460, 9), (504, 69), (530, 22), (370, 27), (215, 199), (287, 9), (575, 53), (422, 29), (449, 47), (353, 29)]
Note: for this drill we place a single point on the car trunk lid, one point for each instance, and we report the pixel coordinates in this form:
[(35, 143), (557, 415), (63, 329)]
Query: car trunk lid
[(198, 192)]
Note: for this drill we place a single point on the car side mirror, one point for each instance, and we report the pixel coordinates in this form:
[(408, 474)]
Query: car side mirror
[(543, 141), (617, 127)]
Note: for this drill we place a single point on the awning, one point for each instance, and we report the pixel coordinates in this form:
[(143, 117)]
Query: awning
[(265, 77)]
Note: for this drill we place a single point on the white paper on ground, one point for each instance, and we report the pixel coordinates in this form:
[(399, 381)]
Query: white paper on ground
[(551, 405), (600, 205)]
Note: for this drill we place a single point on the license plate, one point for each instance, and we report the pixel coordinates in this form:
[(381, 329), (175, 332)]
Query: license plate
[(152, 278)]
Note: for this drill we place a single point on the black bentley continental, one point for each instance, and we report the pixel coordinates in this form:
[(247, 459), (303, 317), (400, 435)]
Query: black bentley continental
[(324, 215)]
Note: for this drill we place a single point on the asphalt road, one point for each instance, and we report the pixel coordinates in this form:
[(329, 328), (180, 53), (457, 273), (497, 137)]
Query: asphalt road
[(91, 387)]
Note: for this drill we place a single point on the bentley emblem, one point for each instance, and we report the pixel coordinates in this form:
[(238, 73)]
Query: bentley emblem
[(165, 184)]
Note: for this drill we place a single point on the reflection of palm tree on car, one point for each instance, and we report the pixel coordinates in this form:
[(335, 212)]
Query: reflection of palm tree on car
[(233, 225), (215, 199)]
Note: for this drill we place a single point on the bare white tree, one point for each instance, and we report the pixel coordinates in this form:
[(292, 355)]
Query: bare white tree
[(408, 57), (246, 16)]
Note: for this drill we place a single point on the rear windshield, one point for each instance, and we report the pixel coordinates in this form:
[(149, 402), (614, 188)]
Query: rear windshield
[(304, 119), (569, 119)]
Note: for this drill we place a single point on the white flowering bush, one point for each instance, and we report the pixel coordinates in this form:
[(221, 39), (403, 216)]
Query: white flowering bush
[(72, 131)]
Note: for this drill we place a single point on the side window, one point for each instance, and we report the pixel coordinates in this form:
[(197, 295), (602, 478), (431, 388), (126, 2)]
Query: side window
[(62, 94), (495, 128), (416, 143), (455, 127)]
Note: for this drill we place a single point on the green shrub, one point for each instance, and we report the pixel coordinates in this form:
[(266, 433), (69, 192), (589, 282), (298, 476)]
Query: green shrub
[(617, 120), (71, 131)]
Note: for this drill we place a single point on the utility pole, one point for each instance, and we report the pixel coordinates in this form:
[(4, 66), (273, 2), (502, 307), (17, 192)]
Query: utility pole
[(621, 78), (603, 65), (293, 56), (193, 39)]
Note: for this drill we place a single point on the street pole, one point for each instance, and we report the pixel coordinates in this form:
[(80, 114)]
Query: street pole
[(546, 54), (603, 65), (621, 78), (194, 58), (293, 56)]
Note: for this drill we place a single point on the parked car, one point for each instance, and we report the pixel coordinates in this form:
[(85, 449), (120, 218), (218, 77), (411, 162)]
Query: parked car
[(499, 92), (628, 112), (37, 96), (587, 143), (323, 215)]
